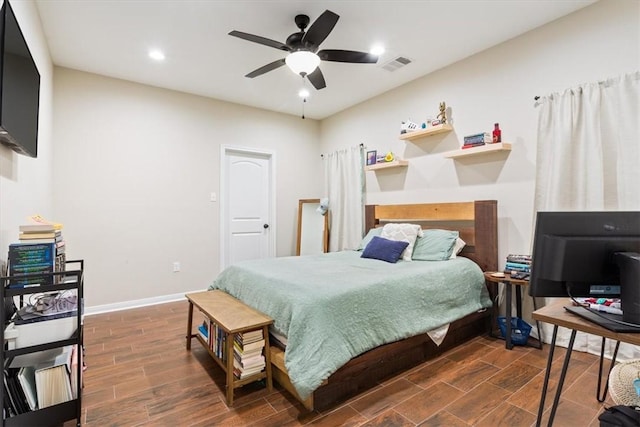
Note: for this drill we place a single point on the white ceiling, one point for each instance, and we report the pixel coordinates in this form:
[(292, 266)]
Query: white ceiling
[(112, 38)]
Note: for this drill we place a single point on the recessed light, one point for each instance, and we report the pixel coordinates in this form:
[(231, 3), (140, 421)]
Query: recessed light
[(303, 93), (156, 54), (377, 50)]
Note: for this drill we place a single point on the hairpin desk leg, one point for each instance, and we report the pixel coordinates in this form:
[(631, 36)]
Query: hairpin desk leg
[(603, 397), (563, 374)]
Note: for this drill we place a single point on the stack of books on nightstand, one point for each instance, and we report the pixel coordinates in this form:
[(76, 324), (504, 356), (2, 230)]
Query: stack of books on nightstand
[(247, 353), (518, 266)]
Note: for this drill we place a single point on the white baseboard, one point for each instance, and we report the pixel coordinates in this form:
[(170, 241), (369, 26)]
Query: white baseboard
[(125, 305)]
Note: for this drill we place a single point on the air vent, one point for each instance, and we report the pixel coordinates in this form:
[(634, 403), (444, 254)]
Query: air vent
[(396, 63)]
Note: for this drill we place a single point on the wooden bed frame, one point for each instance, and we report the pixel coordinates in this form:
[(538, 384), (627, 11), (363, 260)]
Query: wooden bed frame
[(477, 224)]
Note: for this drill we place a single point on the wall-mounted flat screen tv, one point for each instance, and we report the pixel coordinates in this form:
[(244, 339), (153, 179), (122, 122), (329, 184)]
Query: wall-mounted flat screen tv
[(19, 87)]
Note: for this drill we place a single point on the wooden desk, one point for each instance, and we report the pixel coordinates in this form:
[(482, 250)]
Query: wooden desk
[(556, 315), (233, 317), (509, 283)]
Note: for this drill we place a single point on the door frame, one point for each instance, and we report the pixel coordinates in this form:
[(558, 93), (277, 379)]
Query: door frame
[(268, 155)]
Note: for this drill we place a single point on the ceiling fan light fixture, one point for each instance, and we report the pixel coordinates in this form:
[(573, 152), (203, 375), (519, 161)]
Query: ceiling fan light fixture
[(377, 50), (156, 54), (302, 62), (303, 93)]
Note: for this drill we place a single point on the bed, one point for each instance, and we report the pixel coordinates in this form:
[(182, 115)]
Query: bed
[(352, 321)]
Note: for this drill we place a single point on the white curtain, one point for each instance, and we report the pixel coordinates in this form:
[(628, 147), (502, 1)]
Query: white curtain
[(588, 159), (344, 186)]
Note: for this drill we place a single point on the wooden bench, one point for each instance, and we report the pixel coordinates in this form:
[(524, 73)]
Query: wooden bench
[(233, 317)]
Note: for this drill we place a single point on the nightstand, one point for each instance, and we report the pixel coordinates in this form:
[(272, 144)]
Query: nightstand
[(509, 283)]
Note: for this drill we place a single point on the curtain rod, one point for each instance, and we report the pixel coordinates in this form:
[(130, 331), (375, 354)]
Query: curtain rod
[(606, 82), (361, 146)]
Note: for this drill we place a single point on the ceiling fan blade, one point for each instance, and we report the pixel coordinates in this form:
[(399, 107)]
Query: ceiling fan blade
[(260, 40), (317, 79), (266, 68), (320, 29), (347, 56)]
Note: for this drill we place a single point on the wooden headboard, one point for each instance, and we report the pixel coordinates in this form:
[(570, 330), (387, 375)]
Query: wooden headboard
[(476, 222)]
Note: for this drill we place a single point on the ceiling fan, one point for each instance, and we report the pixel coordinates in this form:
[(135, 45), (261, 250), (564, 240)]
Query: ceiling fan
[(304, 57)]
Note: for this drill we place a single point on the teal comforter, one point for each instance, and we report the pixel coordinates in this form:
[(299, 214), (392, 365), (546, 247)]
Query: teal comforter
[(333, 307)]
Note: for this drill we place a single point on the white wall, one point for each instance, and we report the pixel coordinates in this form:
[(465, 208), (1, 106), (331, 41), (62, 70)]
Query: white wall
[(134, 169), (26, 183), (497, 85)]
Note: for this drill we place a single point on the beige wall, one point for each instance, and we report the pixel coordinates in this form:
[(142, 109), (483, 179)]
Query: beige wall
[(497, 85), (26, 185), (134, 170)]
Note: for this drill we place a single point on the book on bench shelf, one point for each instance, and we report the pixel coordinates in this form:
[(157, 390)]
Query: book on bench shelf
[(247, 354)]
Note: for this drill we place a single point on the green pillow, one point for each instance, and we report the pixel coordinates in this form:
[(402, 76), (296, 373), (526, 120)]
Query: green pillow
[(434, 245), (365, 241)]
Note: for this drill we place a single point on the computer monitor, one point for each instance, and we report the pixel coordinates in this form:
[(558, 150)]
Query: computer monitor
[(588, 254)]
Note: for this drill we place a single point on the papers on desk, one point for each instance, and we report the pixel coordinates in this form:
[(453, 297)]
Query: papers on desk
[(606, 305)]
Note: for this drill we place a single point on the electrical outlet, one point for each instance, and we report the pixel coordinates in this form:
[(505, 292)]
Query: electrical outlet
[(176, 266)]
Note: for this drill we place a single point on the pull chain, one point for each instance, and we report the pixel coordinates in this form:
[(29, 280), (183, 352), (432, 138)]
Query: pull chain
[(304, 93)]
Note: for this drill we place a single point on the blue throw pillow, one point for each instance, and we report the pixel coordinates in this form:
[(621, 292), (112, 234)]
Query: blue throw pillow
[(384, 249)]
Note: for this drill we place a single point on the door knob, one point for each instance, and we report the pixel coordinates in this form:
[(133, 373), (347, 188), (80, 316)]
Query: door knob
[(265, 226)]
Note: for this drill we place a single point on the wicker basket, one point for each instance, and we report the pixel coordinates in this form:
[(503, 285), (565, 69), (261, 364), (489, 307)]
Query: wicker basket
[(621, 383)]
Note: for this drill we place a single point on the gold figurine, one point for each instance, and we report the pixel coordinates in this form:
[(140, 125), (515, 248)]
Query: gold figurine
[(442, 116)]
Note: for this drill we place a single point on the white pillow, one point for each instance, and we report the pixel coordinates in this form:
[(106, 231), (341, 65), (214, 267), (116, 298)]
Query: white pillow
[(404, 233), (457, 247)]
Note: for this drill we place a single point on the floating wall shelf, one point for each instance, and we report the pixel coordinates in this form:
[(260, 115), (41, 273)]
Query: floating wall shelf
[(483, 149), (387, 165), (432, 130)]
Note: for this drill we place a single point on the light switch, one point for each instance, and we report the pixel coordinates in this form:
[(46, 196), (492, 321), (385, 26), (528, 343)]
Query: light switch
[(213, 197)]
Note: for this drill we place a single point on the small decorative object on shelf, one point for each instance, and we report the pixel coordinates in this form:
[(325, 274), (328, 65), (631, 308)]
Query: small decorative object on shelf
[(408, 126), (371, 157), (497, 133), (389, 157), (442, 116)]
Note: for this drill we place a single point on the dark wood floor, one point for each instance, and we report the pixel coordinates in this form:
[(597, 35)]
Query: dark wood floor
[(139, 374)]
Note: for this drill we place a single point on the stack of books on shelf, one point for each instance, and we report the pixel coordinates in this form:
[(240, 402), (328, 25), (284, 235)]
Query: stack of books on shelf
[(203, 330), (215, 337), (41, 249), (247, 354), (518, 266), (39, 380), (477, 140), (218, 341)]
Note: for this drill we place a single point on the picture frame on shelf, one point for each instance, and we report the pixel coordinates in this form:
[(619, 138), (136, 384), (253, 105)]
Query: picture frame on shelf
[(371, 157)]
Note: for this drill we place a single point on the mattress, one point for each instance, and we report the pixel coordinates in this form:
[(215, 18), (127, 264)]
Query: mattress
[(332, 307)]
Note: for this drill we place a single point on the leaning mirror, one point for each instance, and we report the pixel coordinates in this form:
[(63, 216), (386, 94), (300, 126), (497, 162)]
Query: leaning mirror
[(313, 228)]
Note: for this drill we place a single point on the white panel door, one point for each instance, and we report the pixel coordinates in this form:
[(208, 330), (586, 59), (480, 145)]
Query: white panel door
[(247, 206)]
